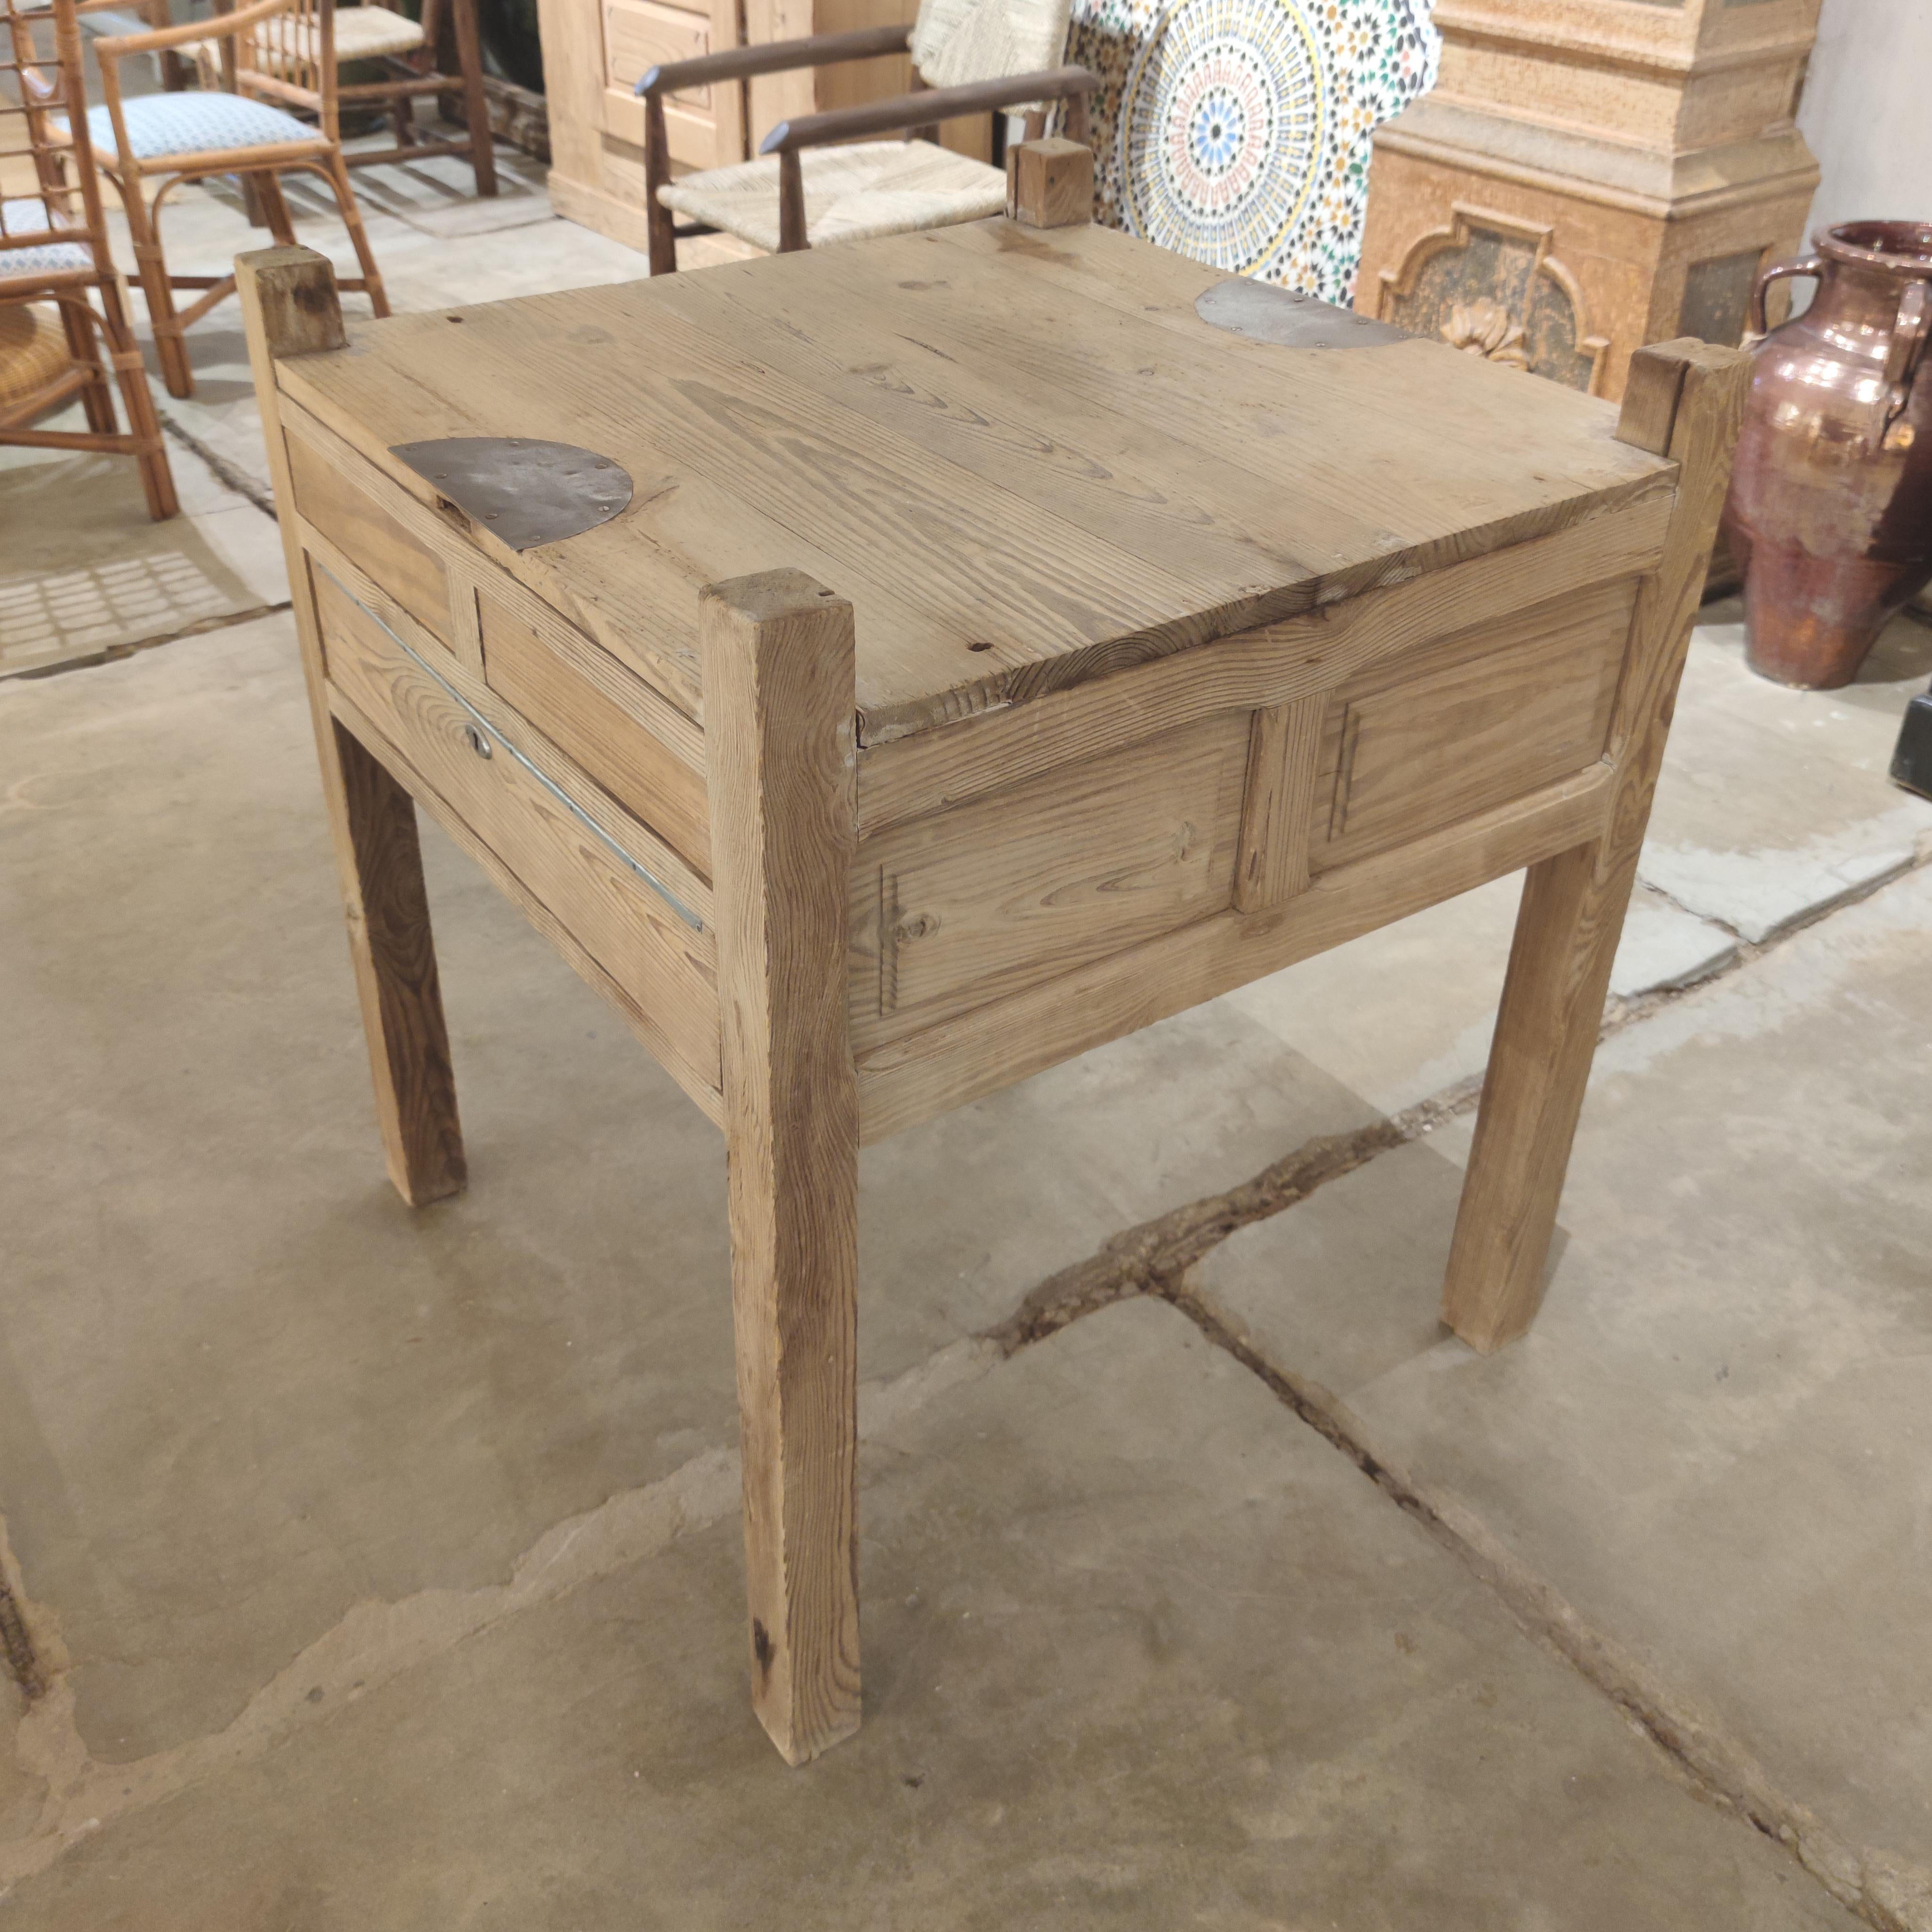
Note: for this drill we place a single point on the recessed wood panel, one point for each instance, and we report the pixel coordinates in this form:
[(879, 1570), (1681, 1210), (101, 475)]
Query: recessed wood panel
[(971, 904), (357, 524), (639, 35), (1470, 724), (604, 736)]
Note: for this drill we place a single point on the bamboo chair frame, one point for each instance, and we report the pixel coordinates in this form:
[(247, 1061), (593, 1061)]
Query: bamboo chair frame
[(411, 75), (271, 28), (36, 114)]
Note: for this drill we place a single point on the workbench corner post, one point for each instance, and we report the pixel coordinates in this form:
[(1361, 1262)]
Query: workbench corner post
[(290, 307), (1684, 399), (780, 710)]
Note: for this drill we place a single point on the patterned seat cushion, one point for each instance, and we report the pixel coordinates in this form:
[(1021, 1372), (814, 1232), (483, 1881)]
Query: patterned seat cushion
[(287, 46), (160, 124), (30, 217), (851, 194)]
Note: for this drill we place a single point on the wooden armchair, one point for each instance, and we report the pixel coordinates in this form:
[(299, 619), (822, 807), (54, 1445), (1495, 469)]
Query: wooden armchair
[(820, 178), (277, 50), (53, 246)]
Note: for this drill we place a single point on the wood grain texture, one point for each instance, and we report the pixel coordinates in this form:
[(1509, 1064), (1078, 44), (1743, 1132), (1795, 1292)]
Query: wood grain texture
[(1275, 664), (389, 923), (969, 905), (1278, 806), (946, 1066), (778, 672), (586, 720), (290, 309), (1574, 902), (657, 857), (1050, 183), (466, 756), (355, 522), (1470, 722), (1237, 483), (643, 1025)]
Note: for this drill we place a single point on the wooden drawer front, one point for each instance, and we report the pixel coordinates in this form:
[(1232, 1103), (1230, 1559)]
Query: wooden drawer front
[(638, 769), (639, 35), (358, 525), (1468, 724), (970, 904), (664, 966)]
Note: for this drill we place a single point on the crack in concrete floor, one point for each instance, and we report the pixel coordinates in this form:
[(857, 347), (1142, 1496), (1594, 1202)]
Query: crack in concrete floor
[(230, 476), (113, 653), (375, 1641)]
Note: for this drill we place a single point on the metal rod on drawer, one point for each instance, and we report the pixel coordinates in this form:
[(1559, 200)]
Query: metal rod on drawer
[(563, 798)]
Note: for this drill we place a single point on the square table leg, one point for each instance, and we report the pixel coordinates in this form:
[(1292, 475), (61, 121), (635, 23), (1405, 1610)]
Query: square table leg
[(1684, 400), (291, 307), (780, 745)]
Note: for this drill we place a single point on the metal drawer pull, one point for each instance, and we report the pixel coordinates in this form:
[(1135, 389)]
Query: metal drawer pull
[(481, 744)]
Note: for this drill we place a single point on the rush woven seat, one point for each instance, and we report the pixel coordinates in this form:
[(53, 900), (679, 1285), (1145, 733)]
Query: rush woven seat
[(851, 194), (824, 178)]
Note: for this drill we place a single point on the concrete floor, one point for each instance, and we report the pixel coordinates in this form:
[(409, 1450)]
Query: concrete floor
[(381, 1569)]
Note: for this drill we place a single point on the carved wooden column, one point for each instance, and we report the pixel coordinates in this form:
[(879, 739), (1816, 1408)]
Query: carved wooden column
[(1589, 175)]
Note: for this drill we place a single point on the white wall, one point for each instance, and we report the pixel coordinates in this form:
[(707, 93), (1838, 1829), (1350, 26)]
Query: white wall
[(1867, 112)]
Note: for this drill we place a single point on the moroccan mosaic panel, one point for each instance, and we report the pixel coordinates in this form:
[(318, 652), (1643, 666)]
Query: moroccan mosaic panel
[(1237, 131)]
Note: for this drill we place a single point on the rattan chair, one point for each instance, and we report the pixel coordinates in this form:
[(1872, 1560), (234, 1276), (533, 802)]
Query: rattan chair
[(53, 246), (821, 177), (170, 139), (379, 33)]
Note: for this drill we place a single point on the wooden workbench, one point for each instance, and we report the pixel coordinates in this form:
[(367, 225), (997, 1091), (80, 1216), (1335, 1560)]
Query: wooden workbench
[(993, 658)]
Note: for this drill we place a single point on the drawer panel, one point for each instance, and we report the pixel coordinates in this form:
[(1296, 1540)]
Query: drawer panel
[(358, 525), (666, 967), (606, 738), (970, 904), (1462, 726)]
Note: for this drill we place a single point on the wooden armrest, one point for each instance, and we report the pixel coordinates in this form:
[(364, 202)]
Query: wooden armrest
[(774, 57), (920, 110), (220, 26)]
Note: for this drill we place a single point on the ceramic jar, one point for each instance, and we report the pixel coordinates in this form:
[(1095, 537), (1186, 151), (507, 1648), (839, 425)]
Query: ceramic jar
[(1830, 514)]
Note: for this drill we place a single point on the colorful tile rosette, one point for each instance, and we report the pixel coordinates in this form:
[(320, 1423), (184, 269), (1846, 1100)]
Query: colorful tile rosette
[(1237, 131)]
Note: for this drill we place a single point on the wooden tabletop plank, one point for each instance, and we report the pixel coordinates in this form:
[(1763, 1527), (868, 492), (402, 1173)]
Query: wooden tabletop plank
[(1135, 481), (1403, 441), (1021, 455), (795, 475)]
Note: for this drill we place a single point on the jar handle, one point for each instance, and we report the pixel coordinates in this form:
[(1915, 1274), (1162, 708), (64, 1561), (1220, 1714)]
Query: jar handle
[(1813, 266), (1909, 335)]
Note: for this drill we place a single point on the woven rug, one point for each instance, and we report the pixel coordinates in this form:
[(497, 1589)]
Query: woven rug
[(1237, 131)]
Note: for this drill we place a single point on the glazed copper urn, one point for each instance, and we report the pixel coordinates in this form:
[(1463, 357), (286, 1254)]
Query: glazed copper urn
[(1830, 515)]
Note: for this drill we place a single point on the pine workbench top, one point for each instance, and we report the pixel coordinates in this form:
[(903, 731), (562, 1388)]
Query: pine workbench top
[(1020, 453)]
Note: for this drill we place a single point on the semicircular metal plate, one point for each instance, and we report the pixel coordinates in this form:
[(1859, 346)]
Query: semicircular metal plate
[(1287, 316), (524, 492)]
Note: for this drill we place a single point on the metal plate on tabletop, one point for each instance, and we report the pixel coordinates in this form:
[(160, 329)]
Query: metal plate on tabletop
[(1286, 316), (524, 492)]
